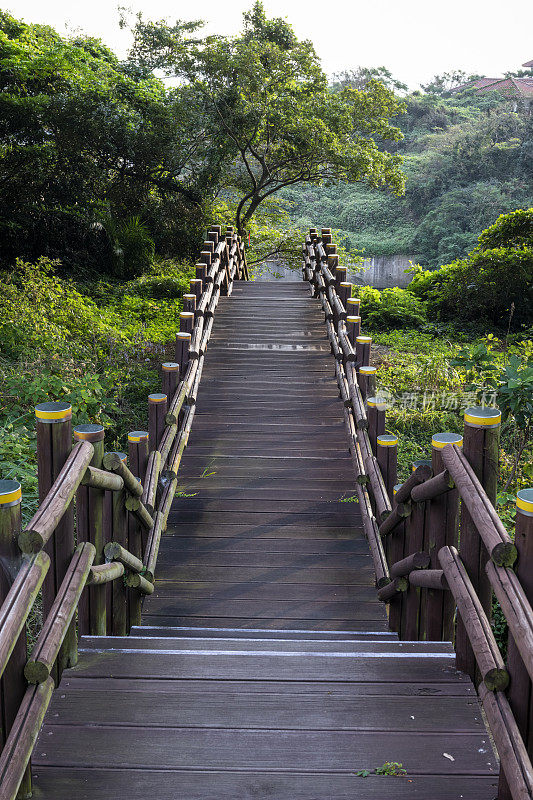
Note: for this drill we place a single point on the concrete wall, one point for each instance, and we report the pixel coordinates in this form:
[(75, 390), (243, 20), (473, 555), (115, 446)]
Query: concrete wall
[(384, 272)]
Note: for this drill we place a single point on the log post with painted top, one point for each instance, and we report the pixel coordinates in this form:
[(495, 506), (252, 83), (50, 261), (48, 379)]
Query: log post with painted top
[(481, 449), (12, 683), (90, 528), (54, 443), (441, 530)]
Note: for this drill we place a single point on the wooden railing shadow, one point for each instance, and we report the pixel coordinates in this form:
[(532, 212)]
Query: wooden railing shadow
[(93, 543), (436, 575)]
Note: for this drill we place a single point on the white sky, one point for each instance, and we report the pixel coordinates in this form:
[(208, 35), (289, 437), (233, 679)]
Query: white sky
[(415, 39)]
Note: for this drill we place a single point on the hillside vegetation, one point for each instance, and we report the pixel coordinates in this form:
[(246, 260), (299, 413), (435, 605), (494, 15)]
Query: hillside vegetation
[(467, 158)]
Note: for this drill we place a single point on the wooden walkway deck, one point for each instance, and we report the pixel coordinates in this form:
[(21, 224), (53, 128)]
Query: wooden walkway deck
[(264, 668)]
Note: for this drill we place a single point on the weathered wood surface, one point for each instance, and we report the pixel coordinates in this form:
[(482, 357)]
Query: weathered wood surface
[(264, 668)]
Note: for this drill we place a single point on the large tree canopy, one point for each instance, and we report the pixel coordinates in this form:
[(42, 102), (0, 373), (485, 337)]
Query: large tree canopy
[(271, 100), (83, 136)]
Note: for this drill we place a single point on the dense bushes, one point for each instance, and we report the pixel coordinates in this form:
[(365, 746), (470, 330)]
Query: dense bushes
[(494, 280), (391, 308)]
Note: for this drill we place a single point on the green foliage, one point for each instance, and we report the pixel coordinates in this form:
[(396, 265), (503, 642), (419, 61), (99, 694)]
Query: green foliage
[(391, 768), (467, 158), (391, 308), (262, 87), (492, 282), (133, 247)]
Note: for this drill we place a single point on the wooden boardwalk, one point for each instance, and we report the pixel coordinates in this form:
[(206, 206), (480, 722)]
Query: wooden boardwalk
[(264, 668)]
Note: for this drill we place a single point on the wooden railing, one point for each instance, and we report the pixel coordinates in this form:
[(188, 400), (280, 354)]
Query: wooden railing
[(98, 557), (438, 546)]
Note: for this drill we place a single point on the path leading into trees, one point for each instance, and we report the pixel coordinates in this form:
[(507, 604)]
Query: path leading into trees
[(263, 668)]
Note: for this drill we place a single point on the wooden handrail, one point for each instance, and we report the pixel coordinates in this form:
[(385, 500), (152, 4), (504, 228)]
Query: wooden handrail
[(51, 510), (19, 602), (56, 625)]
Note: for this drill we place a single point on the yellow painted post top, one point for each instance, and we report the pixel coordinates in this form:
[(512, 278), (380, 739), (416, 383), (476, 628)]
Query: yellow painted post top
[(376, 401), (387, 440), (352, 318), (524, 502), (189, 297), (440, 440), (345, 284), (354, 301), (89, 433), (483, 417), (10, 493), (187, 314), (364, 339), (53, 412), (183, 334), (157, 397), (170, 366), (137, 436), (368, 370)]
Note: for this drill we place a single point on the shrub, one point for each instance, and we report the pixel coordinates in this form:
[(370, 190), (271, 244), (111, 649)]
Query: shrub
[(493, 280), (391, 308)]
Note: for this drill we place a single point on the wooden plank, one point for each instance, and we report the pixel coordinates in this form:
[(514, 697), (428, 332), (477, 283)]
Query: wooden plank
[(184, 547), (259, 646), (267, 530), (361, 608), (361, 575), (269, 624), (101, 784), (193, 748), (229, 590), (304, 507), (257, 667), (211, 708)]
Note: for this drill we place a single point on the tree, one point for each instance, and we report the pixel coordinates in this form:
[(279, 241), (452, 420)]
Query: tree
[(360, 77), (444, 83), (275, 112), (83, 137)]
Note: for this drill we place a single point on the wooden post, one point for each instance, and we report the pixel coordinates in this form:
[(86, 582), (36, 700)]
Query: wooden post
[(481, 448), (206, 257), (414, 543), (170, 377), (201, 272), (395, 553), (340, 277), (54, 443), (90, 528), (520, 692), (117, 594), (376, 412), (353, 328), (387, 456), (186, 321), (138, 460), (196, 287), (189, 305), (157, 409), (441, 530), (12, 683), (183, 341), (366, 378), (353, 305), (362, 350), (344, 291)]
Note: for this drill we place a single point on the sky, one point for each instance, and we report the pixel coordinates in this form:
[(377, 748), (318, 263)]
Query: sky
[(415, 39)]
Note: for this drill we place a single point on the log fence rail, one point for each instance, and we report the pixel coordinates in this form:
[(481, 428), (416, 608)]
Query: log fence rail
[(438, 546)]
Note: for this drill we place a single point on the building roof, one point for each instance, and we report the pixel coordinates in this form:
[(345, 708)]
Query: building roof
[(509, 87), (528, 64)]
